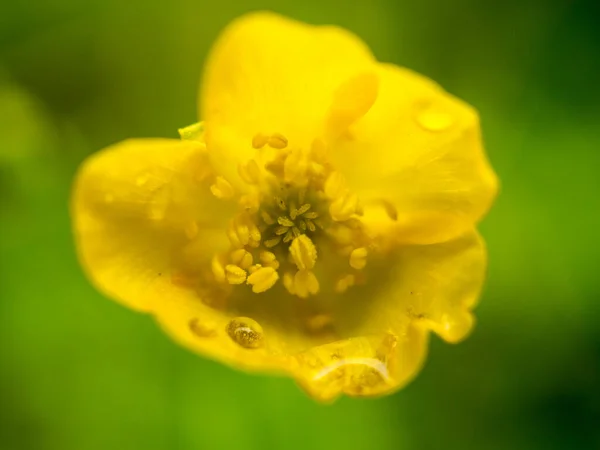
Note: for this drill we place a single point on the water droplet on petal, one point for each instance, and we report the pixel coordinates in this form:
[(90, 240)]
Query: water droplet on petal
[(433, 118), (200, 329), (245, 332), (351, 366)]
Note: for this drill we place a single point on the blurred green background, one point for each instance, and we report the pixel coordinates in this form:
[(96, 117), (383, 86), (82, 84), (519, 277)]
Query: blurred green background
[(78, 371)]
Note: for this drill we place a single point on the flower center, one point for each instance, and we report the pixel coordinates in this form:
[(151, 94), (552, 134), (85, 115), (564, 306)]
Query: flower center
[(297, 222)]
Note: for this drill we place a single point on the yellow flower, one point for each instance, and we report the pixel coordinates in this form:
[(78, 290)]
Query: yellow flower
[(317, 223)]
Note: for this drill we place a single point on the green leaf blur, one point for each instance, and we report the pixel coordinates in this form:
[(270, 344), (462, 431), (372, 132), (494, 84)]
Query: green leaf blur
[(79, 372)]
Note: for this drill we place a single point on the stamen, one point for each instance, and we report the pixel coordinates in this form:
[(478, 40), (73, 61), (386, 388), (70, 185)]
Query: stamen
[(270, 243), (303, 209), (288, 283), (250, 202), (218, 269), (259, 141), (335, 186), (295, 168), (267, 257), (267, 218), (235, 274), (269, 260), (278, 141), (288, 237), (249, 172), (242, 258), (358, 258), (305, 283), (344, 283), (281, 230), (303, 252), (263, 279), (222, 188), (254, 268), (255, 237), (282, 220), (343, 207)]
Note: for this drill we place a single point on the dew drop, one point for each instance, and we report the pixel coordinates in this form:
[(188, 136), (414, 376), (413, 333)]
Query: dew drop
[(201, 330), (245, 332), (432, 118)]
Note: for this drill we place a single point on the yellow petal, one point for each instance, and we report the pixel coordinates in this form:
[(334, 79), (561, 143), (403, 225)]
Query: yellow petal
[(272, 76), (416, 161), (138, 207), (436, 286)]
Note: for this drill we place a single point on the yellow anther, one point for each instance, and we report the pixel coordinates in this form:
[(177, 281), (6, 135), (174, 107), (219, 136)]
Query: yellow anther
[(303, 252), (295, 168), (242, 258), (235, 274), (218, 269), (246, 261), (335, 186), (243, 233), (288, 283), (358, 258), (343, 207), (222, 188), (270, 243), (288, 237), (233, 238), (296, 231), (267, 257), (281, 230), (254, 268), (303, 209), (254, 233), (302, 225), (263, 279), (250, 202), (259, 140), (286, 222), (249, 172), (311, 226), (344, 283), (311, 215), (191, 229), (267, 218), (277, 141), (305, 283)]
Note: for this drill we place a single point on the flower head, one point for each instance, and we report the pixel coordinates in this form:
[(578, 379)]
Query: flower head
[(319, 222)]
